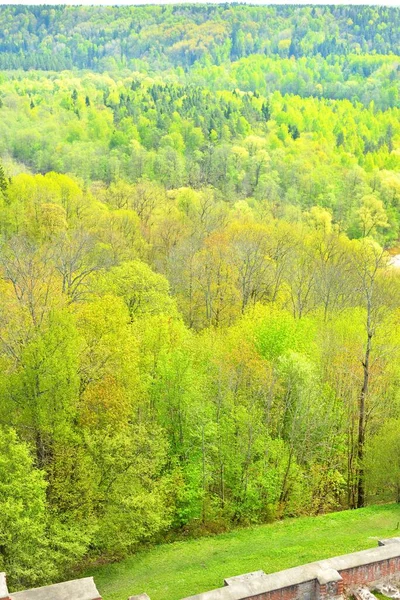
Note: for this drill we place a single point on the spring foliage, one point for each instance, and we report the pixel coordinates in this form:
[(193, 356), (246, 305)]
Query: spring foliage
[(198, 316)]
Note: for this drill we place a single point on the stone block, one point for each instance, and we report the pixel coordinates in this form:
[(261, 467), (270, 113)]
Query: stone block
[(326, 576), (246, 578), (3, 587), (385, 542), (78, 589)]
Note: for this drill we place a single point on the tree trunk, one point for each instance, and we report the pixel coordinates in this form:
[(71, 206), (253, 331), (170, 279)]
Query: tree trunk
[(361, 425)]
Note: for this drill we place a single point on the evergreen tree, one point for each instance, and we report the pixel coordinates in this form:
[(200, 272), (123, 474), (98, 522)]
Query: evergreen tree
[(3, 182)]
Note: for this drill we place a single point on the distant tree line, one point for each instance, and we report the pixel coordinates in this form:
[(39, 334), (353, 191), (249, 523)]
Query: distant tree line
[(100, 38)]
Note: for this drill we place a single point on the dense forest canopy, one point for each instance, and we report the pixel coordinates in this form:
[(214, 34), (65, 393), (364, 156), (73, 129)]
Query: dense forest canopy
[(199, 317), (100, 38)]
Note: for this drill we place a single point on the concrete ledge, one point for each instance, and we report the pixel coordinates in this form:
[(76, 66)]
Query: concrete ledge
[(393, 540), (246, 578), (3, 587), (79, 589), (328, 576), (363, 557)]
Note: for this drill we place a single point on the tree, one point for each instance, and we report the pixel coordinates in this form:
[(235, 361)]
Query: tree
[(249, 253), (375, 285), (29, 271), (3, 183), (132, 495), (143, 291), (215, 281), (372, 215), (24, 552), (77, 256)]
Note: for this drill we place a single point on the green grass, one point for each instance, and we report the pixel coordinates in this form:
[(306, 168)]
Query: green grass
[(380, 596), (174, 571)]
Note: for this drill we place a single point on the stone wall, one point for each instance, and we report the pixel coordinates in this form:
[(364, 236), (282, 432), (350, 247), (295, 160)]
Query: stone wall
[(322, 580), (78, 589), (371, 573)]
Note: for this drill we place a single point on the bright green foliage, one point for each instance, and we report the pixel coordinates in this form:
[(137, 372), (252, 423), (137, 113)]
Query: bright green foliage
[(35, 547), (23, 518), (176, 362), (198, 312), (142, 290), (338, 155), (384, 449), (132, 494)]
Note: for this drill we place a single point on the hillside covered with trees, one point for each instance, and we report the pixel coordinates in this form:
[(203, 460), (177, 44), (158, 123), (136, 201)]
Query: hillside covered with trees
[(100, 38), (199, 318)]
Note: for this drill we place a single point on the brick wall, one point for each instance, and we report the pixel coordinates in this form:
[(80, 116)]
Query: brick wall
[(367, 574)]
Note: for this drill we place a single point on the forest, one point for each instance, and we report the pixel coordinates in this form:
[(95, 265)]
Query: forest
[(199, 310)]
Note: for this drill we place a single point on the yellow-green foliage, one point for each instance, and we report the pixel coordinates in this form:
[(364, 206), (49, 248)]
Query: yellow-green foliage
[(198, 318)]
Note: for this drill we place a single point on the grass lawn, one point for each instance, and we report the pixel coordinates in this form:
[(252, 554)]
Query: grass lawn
[(174, 571)]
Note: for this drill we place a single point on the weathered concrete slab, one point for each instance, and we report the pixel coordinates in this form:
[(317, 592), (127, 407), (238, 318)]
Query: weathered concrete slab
[(246, 578), (229, 592), (363, 593), (139, 597), (363, 557), (328, 576), (388, 590), (79, 589), (385, 542), (3, 586)]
